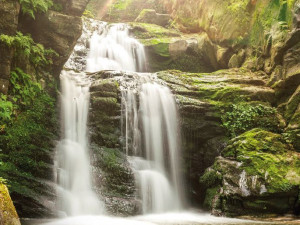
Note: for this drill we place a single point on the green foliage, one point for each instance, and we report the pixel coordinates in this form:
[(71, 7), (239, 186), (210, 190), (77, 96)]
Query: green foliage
[(240, 117), (31, 7), (25, 147), (89, 14), (211, 178), (6, 111), (23, 89), (24, 45)]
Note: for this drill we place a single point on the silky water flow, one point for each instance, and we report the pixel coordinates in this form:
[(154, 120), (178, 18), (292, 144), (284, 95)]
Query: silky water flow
[(150, 131)]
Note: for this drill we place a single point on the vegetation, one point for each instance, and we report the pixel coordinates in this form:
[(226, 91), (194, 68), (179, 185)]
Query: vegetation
[(32, 7), (240, 117), (26, 48)]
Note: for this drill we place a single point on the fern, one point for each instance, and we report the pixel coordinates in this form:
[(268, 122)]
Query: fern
[(24, 89), (31, 7), (26, 47), (6, 111)]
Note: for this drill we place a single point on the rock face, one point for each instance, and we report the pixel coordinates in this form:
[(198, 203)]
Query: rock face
[(113, 176), (8, 213), (57, 31), (9, 12), (203, 99)]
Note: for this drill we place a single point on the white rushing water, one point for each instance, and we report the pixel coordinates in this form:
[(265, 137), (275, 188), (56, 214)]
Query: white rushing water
[(75, 193), (152, 140), (112, 48)]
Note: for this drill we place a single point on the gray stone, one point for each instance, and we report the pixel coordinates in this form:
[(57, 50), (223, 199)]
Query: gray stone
[(75, 7)]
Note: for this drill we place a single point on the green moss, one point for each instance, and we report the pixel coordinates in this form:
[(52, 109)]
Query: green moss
[(7, 209), (117, 176), (266, 15), (209, 197), (268, 156), (211, 178), (148, 31), (292, 105)]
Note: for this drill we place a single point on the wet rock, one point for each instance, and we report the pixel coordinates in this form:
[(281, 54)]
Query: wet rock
[(113, 176), (150, 16)]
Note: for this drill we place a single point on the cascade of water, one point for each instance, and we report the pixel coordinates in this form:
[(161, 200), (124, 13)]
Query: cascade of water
[(76, 193), (155, 153), (113, 49), (110, 48)]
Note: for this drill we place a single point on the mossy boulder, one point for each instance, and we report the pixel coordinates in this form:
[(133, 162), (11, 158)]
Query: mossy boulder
[(258, 173), (113, 177), (8, 213), (171, 49), (150, 16), (122, 10)]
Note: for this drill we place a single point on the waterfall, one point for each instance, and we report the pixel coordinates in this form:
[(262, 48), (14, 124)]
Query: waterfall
[(152, 140), (111, 48), (76, 195)]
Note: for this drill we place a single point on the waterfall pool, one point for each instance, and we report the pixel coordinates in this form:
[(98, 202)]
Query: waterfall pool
[(180, 218)]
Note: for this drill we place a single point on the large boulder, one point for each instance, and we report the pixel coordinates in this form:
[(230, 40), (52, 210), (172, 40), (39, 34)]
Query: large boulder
[(150, 16), (257, 175), (8, 213)]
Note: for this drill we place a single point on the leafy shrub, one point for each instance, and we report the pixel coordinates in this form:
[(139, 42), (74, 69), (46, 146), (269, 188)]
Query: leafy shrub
[(24, 45), (6, 111), (240, 117), (23, 89), (31, 7)]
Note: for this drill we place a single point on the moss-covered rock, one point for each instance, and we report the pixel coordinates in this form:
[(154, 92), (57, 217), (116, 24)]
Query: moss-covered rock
[(150, 16), (122, 10), (8, 213), (116, 182), (260, 175), (207, 102)]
